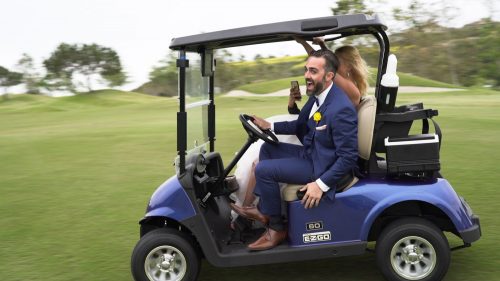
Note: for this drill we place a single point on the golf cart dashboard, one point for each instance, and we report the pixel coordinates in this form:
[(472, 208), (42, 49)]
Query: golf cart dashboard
[(205, 171)]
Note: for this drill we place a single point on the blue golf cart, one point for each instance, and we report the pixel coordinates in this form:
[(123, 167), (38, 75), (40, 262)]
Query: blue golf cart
[(398, 198)]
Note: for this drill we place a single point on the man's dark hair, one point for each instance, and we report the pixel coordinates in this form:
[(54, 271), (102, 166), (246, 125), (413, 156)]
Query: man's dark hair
[(331, 60)]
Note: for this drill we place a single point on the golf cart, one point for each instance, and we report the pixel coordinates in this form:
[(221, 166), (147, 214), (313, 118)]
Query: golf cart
[(398, 199)]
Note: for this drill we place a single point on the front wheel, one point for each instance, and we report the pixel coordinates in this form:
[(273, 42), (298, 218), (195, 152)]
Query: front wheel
[(165, 254), (412, 249)]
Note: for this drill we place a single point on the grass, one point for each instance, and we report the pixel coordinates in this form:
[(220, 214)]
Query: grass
[(265, 87), (405, 79), (77, 173), (270, 61)]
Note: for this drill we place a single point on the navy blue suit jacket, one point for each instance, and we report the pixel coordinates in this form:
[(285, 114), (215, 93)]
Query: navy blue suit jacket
[(332, 143)]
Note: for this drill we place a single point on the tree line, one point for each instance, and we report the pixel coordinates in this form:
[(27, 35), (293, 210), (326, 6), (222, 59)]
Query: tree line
[(467, 56), (69, 68), (463, 56)]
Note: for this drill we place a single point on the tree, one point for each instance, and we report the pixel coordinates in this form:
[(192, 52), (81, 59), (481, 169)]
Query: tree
[(416, 15), (344, 7), (163, 78), (92, 61), (95, 59), (8, 79), (115, 80), (31, 78), (258, 57), (423, 21), (167, 68)]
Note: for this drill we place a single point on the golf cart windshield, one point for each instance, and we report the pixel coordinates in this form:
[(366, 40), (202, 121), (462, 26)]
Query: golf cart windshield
[(197, 101)]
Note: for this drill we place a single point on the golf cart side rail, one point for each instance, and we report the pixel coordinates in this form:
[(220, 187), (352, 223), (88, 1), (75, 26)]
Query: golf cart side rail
[(281, 31)]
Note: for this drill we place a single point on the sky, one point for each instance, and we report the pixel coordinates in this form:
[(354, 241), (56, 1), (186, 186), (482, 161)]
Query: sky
[(141, 31)]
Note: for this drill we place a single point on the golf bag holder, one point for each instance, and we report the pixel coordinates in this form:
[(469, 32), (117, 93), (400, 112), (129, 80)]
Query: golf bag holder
[(407, 155)]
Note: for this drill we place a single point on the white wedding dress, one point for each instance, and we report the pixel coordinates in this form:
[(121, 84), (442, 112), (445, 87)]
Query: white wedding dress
[(244, 166)]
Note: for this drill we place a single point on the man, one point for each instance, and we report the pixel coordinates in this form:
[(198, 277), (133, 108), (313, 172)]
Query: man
[(327, 128)]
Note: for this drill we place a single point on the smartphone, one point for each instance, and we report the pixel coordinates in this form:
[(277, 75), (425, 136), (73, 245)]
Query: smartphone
[(296, 90)]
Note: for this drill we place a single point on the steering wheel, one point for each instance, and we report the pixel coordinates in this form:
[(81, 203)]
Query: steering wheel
[(254, 131)]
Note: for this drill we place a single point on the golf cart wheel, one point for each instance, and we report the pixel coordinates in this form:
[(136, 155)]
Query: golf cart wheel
[(165, 254), (412, 249)]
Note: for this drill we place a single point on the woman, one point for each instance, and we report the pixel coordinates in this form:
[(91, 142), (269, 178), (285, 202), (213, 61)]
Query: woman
[(352, 78)]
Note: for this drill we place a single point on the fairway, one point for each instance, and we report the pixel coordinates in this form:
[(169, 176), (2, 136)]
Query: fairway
[(77, 173)]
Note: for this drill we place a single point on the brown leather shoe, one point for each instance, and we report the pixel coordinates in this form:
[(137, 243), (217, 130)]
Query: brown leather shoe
[(250, 213), (270, 239)]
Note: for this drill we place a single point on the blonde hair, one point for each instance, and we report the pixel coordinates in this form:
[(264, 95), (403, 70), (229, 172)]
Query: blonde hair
[(359, 70)]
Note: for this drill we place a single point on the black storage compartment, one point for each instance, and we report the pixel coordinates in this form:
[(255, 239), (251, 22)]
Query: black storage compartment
[(398, 123), (412, 154)]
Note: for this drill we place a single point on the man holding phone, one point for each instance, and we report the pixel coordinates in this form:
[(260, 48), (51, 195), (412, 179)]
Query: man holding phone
[(327, 127)]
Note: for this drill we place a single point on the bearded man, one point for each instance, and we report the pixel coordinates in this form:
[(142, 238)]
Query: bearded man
[(327, 127)]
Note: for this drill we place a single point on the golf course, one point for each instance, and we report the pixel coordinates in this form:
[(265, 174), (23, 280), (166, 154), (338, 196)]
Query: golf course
[(77, 173)]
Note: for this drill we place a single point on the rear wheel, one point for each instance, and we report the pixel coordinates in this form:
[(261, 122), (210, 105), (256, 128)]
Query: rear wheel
[(165, 254), (412, 249)]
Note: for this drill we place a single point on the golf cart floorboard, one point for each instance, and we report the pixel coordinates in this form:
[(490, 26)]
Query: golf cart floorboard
[(239, 255)]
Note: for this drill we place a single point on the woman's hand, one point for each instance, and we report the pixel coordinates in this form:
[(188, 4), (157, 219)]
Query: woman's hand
[(321, 42), (299, 40)]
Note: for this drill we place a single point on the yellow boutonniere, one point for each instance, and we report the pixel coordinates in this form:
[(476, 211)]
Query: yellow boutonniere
[(317, 117)]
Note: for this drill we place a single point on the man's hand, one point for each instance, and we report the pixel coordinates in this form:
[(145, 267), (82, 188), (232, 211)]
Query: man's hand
[(261, 123), (294, 96), (313, 195)]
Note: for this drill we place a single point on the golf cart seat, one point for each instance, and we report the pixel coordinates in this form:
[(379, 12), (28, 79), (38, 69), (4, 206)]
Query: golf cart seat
[(366, 124)]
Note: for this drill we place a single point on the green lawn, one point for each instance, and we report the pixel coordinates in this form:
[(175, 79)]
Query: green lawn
[(405, 79), (77, 173)]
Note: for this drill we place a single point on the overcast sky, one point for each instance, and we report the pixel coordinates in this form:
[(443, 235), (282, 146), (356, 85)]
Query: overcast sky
[(140, 31)]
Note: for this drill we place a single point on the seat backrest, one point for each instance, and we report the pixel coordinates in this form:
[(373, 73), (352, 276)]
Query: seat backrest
[(367, 110)]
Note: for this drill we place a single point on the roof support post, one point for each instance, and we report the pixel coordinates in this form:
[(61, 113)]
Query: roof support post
[(182, 64)]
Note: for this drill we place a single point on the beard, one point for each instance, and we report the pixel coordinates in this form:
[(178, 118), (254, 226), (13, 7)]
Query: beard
[(318, 86)]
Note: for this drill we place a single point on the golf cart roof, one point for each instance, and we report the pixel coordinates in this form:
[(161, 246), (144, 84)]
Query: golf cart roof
[(282, 31)]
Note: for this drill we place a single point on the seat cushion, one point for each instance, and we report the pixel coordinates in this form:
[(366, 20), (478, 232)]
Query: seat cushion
[(289, 192)]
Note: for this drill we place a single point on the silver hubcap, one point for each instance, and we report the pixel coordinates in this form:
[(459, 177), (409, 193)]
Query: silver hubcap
[(413, 258), (165, 263)]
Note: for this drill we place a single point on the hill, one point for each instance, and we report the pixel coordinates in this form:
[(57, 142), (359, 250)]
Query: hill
[(88, 100), (279, 72), (279, 84)]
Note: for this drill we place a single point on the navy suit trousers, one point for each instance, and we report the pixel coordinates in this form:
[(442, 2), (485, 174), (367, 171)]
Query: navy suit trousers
[(284, 162)]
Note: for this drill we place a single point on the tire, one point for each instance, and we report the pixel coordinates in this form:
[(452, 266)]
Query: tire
[(412, 249), (165, 254)]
